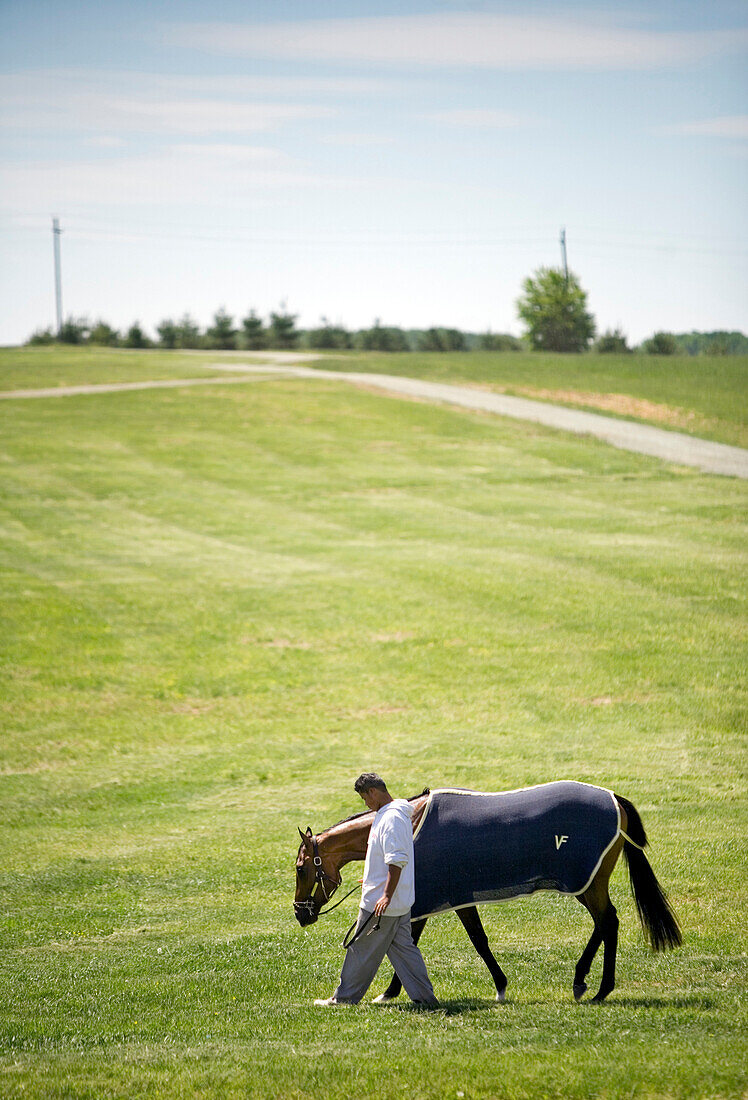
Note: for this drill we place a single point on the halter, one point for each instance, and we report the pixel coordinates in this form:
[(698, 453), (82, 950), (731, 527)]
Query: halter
[(320, 874)]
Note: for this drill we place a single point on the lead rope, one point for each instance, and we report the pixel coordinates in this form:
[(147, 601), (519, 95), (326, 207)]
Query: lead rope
[(324, 912), (349, 943)]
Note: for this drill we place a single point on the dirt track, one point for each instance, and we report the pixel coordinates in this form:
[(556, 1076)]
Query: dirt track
[(674, 447)]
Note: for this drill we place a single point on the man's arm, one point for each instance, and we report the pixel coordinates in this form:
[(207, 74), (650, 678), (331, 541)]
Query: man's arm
[(397, 847), (393, 877)]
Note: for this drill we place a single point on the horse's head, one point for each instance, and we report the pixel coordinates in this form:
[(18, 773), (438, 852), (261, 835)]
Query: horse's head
[(317, 879)]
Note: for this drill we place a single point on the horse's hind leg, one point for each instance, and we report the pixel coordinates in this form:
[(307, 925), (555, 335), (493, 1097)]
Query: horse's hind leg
[(395, 986), (597, 900), (606, 932), (477, 933)]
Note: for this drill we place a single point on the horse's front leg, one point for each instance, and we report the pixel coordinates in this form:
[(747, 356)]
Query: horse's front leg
[(609, 927), (477, 933), (395, 986), (585, 962)]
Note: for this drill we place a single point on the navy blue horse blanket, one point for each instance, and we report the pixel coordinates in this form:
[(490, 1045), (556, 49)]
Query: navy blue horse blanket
[(472, 848)]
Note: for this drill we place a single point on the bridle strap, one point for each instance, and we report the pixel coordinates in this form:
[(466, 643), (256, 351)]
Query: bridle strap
[(320, 874)]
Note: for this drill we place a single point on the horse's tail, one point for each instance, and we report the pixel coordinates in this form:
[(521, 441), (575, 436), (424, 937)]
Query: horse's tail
[(659, 923)]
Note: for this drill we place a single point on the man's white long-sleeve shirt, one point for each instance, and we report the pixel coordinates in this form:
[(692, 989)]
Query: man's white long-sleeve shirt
[(390, 842)]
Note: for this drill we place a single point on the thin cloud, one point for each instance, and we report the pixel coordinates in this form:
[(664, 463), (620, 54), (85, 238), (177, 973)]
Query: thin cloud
[(133, 104), (480, 118), (727, 126), (42, 82), (201, 174), (357, 140), (463, 40)]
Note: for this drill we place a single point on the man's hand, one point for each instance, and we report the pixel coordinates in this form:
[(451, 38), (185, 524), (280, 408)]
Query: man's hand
[(393, 877), (381, 905)]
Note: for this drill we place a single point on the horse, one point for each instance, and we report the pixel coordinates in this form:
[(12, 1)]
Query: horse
[(321, 856)]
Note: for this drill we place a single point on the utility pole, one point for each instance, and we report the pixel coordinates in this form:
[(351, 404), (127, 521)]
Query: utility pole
[(563, 255), (56, 232)]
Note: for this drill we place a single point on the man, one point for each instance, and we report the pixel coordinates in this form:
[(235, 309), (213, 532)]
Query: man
[(387, 895)]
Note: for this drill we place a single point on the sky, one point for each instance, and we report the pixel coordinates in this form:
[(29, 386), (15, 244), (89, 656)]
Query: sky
[(409, 161)]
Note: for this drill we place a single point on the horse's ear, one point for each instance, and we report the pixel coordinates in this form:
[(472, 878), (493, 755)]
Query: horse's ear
[(309, 831), (304, 837)]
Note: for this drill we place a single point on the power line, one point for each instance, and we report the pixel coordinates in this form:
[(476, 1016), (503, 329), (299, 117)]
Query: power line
[(91, 230)]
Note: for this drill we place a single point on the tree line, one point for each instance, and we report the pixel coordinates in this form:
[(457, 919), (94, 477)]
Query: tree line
[(278, 332), (553, 307)]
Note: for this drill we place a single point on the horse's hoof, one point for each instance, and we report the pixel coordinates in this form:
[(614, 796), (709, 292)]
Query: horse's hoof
[(501, 995), (599, 998), (382, 999), (580, 988)]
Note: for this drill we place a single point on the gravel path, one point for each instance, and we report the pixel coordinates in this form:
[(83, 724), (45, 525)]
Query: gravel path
[(675, 447)]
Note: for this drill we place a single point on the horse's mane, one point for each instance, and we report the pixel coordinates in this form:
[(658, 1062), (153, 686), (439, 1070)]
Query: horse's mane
[(363, 813)]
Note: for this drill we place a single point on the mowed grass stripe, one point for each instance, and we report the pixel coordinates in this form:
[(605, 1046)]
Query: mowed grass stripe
[(221, 607), (699, 395), (702, 395)]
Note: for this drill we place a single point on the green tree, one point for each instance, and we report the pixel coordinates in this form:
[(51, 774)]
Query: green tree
[(718, 346), (329, 336), (612, 343), (499, 341), (168, 333), (136, 338), (662, 343), (221, 334), (188, 333), (42, 336), (442, 339), (283, 332), (254, 333), (104, 335), (380, 338), (554, 308), (74, 331)]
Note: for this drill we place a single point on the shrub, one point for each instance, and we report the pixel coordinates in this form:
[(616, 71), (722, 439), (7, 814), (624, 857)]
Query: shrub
[(42, 336), (329, 336), (662, 343), (612, 343), (136, 338), (104, 335), (442, 339), (499, 341), (74, 331), (379, 338)]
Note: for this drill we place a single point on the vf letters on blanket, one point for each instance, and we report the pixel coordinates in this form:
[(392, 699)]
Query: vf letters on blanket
[(472, 848)]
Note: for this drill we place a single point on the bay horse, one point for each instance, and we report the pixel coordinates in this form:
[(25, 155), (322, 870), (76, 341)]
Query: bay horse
[(321, 857)]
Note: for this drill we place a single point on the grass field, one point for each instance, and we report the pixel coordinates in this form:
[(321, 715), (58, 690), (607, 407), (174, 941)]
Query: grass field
[(45, 367), (701, 396), (219, 606), (706, 396)]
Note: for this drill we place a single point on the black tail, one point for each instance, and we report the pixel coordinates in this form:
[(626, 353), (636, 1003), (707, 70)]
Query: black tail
[(658, 920)]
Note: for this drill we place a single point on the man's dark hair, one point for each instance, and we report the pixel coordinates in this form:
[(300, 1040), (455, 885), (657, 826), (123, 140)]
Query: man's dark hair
[(367, 780)]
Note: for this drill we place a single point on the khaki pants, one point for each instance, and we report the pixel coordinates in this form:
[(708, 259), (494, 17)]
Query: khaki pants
[(364, 957)]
